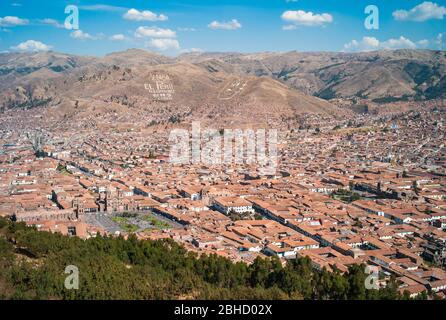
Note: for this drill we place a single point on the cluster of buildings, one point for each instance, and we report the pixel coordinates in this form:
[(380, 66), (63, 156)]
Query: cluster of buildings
[(366, 190)]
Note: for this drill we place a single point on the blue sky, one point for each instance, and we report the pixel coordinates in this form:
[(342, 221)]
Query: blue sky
[(174, 27)]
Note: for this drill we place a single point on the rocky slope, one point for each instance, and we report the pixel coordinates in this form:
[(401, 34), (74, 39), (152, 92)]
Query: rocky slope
[(395, 74), (229, 87)]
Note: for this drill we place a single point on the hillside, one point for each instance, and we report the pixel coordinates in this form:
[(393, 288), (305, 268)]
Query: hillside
[(226, 88), (110, 268), (398, 73), (128, 80)]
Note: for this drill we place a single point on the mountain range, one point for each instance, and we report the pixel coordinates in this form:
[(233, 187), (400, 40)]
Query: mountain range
[(237, 87)]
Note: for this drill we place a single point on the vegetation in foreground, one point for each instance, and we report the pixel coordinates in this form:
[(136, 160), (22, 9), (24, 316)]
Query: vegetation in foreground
[(32, 265)]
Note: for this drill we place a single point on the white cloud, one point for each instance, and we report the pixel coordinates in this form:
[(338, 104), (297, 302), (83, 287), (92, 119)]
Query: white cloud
[(32, 45), (366, 44), (80, 35), (117, 37), (164, 44), (10, 21), (439, 41), (160, 39), (289, 27), (52, 22), (308, 19), (400, 43), (229, 25), (102, 7), (423, 43), (186, 29), (422, 12), (353, 45), (154, 32), (146, 15), (371, 44), (192, 50)]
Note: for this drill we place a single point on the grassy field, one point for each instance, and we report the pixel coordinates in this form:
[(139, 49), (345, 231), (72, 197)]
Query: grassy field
[(157, 224), (63, 170), (125, 225), (345, 196), (132, 226)]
